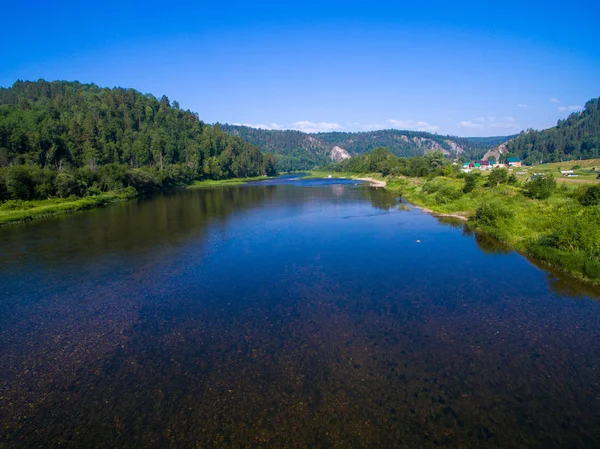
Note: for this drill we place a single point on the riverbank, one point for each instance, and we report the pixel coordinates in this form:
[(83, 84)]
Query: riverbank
[(558, 230), (17, 211), (374, 179), (224, 182)]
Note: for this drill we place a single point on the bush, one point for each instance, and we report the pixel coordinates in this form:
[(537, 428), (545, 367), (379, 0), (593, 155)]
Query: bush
[(19, 182), (578, 230), (590, 196), (66, 185), (141, 181), (43, 182), (541, 187), (492, 213), (446, 194), (470, 182)]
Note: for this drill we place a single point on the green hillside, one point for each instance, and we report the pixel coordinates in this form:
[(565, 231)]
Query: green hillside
[(296, 150), (577, 137), (67, 138)]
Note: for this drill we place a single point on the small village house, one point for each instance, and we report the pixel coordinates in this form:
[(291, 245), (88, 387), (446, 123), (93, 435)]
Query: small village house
[(513, 162)]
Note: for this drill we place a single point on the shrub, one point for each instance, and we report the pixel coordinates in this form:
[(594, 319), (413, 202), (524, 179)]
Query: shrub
[(19, 183), (446, 194), (492, 213), (66, 185), (541, 187), (590, 196), (43, 182), (470, 182)]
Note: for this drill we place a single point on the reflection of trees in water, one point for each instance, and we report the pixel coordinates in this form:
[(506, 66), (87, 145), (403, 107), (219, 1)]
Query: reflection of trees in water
[(560, 283), (170, 219), (130, 227), (564, 284), (381, 199), (450, 221), (487, 243)]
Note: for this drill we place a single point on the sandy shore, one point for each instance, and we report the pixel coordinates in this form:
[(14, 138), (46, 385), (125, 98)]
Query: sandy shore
[(373, 182), (438, 214)]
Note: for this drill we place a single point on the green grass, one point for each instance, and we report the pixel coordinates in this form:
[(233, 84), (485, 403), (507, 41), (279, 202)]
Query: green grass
[(223, 182), (15, 211)]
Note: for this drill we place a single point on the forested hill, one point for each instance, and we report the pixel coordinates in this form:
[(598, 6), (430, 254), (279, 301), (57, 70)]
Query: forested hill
[(576, 137), (296, 150), (78, 130)]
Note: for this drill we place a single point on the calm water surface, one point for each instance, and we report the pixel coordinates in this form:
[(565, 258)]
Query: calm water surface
[(287, 314)]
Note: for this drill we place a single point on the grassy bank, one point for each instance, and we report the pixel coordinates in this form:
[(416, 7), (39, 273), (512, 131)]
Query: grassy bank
[(224, 182), (559, 230), (15, 211)]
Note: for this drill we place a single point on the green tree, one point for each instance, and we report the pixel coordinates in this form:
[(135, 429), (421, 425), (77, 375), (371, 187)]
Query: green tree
[(541, 187), (497, 176)]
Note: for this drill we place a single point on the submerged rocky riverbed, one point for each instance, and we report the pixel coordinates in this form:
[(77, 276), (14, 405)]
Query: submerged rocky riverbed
[(287, 313)]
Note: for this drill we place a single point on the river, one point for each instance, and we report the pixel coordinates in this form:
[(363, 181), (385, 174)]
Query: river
[(287, 313)]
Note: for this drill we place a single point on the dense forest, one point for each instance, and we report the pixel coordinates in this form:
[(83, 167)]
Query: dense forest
[(66, 138), (296, 150), (577, 137)]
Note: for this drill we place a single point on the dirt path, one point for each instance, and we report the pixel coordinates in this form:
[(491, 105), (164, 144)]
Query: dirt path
[(579, 181)]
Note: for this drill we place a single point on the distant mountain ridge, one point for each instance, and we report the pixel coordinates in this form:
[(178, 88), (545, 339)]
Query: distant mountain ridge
[(296, 150)]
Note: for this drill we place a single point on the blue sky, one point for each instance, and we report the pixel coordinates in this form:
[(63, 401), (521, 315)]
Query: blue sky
[(462, 68)]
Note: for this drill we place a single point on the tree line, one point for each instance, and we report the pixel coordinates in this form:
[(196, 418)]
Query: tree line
[(67, 138)]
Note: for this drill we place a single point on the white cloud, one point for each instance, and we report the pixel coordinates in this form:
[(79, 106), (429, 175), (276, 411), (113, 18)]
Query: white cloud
[(270, 126), (312, 127), (554, 100), (412, 124), (470, 125), (490, 122), (523, 105), (573, 107)]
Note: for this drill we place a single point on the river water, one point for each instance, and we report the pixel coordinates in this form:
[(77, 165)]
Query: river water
[(287, 313)]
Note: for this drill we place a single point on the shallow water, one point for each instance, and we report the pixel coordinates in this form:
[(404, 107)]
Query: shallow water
[(287, 313)]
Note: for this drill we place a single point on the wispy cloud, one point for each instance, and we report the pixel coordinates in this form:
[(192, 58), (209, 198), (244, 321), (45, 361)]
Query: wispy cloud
[(303, 125), (470, 125), (523, 105), (317, 127), (312, 127), (554, 100), (270, 126), (416, 125), (573, 107), (490, 122)]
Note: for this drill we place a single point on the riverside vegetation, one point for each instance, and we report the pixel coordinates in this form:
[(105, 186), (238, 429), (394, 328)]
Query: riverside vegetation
[(554, 223), (68, 146)]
